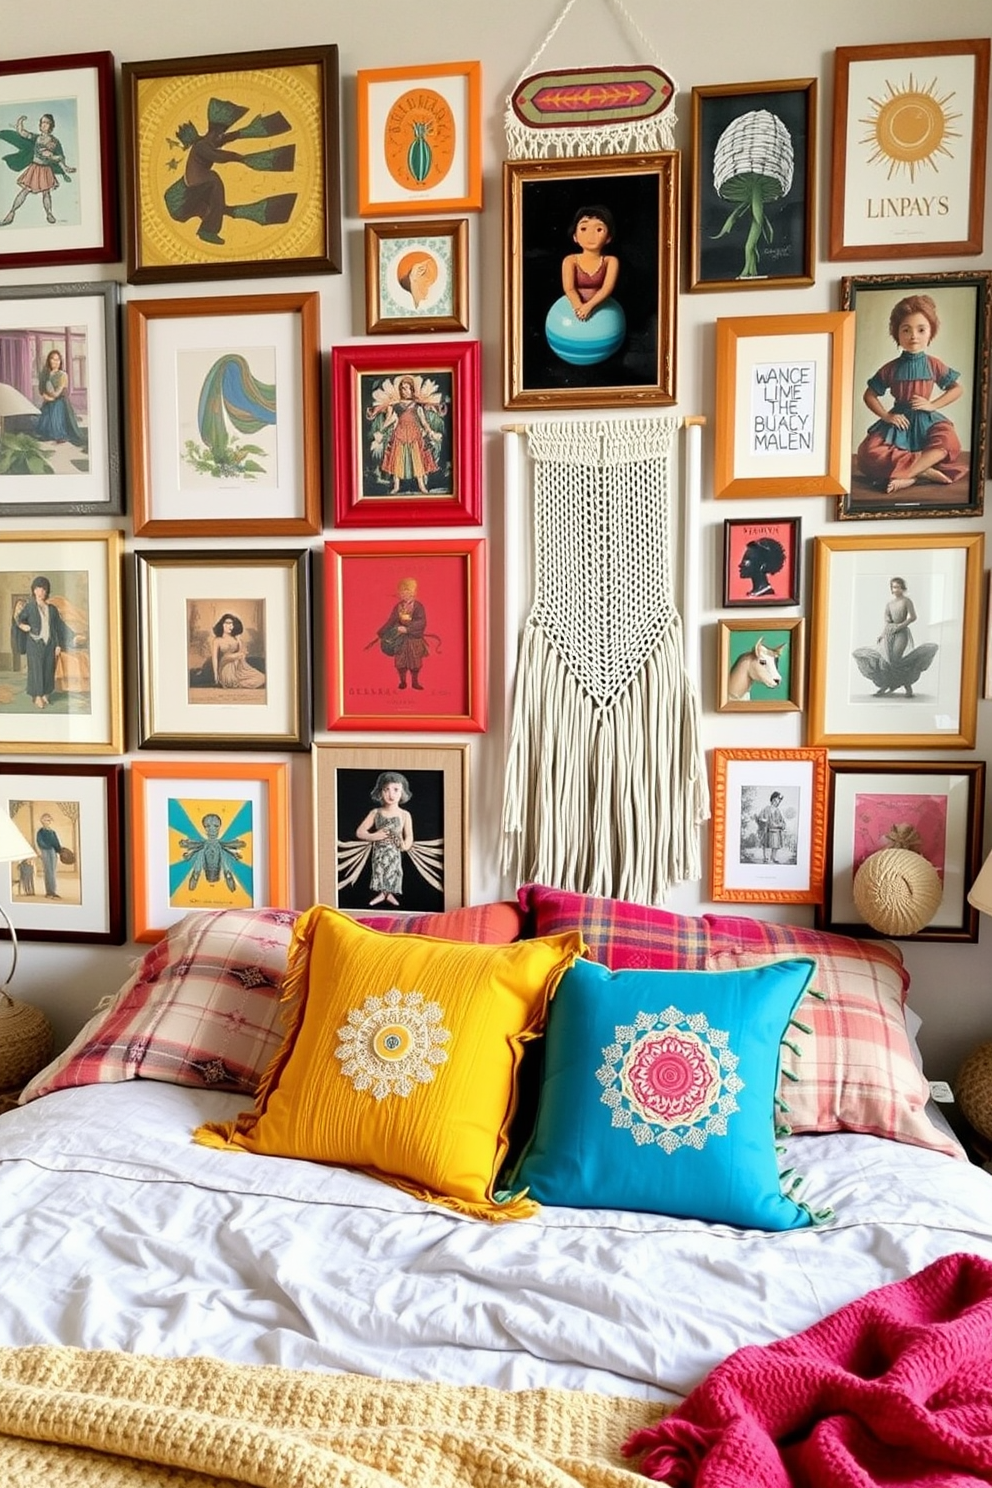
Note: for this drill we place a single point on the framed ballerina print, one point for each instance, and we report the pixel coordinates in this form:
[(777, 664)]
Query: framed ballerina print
[(58, 188), (231, 165)]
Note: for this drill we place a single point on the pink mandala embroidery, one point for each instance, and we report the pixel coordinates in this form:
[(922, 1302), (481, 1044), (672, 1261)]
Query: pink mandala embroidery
[(670, 1077)]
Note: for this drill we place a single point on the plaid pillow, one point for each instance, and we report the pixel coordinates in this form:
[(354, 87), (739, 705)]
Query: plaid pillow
[(203, 1006), (855, 1071), (618, 934)]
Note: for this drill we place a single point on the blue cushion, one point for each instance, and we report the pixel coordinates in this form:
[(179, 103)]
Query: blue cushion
[(658, 1093)]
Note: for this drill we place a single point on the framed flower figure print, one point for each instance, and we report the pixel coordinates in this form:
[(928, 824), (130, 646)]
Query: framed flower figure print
[(407, 434)]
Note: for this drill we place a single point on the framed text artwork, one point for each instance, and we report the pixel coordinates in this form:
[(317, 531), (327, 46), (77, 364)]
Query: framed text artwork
[(419, 794), (920, 394), (753, 185), (761, 666), (406, 637), (762, 562), (61, 687), (935, 809), (909, 144), (419, 139), (71, 888), (416, 277), (224, 645), (407, 434), (769, 825), (783, 409), (58, 190), (224, 415), (231, 165), (894, 655), (206, 835), (60, 436), (590, 273)]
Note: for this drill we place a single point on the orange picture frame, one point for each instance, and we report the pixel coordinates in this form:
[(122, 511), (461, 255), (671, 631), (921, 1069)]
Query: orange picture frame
[(420, 139), (769, 826)]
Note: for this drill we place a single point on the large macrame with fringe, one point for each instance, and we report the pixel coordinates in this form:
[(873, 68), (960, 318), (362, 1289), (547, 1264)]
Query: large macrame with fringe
[(605, 785)]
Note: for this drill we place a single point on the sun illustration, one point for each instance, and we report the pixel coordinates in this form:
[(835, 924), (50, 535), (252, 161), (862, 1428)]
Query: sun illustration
[(910, 126)]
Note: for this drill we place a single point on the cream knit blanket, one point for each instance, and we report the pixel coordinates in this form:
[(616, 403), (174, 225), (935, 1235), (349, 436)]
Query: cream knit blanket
[(71, 1418)]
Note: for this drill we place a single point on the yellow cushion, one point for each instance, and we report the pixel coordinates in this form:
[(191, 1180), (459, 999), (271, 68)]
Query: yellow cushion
[(401, 1057)]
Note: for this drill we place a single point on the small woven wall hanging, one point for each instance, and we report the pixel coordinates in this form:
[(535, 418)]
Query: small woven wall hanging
[(605, 787), (619, 110)]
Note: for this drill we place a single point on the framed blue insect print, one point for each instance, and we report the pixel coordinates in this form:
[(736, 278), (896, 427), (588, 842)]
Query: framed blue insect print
[(204, 837)]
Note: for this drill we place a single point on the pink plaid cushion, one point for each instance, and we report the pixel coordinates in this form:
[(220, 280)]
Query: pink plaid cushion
[(855, 1071), (618, 934), (202, 1007)]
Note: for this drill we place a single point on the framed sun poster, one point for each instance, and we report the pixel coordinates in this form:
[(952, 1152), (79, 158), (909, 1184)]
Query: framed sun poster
[(210, 835), (909, 143), (420, 139), (406, 640), (58, 187), (231, 165)]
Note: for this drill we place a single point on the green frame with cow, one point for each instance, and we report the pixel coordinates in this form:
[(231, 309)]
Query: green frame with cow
[(761, 666)]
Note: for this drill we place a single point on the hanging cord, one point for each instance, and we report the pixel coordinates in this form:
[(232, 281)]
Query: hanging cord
[(556, 25)]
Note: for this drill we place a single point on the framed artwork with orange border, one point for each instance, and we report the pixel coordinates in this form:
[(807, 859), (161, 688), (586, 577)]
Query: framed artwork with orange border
[(420, 139), (406, 639), (206, 835), (769, 826)]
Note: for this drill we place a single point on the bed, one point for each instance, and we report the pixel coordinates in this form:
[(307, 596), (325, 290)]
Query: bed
[(120, 1233)]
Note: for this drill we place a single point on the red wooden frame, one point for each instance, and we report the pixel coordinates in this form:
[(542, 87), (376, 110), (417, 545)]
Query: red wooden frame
[(364, 688), (354, 506)]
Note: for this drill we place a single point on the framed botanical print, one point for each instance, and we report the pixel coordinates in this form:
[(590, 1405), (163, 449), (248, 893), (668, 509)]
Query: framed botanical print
[(769, 825), (231, 165), (224, 647), (60, 435), (935, 808), (406, 638), (224, 415), (419, 139), (72, 887), (761, 666), (407, 435), (61, 678), (762, 562), (590, 276), (418, 795), (894, 658), (909, 142), (416, 277), (206, 835), (753, 185), (59, 184), (919, 336)]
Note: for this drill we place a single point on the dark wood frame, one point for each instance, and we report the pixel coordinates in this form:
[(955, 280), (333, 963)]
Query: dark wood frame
[(756, 526), (455, 229)]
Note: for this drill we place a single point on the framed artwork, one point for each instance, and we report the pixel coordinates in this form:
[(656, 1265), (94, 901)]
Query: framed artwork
[(59, 185), (416, 277), (406, 639), (934, 808), (61, 675), (769, 825), (753, 185), (783, 404), (60, 435), (224, 415), (231, 165), (894, 657), (418, 794), (927, 462), (407, 435), (909, 141), (206, 836), (761, 562), (419, 139), (761, 666), (590, 277), (224, 647), (72, 887)]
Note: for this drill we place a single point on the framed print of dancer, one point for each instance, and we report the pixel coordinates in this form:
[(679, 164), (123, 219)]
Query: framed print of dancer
[(39, 160)]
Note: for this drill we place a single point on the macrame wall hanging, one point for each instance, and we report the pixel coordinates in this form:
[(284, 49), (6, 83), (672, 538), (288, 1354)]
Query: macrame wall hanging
[(618, 110), (605, 787)]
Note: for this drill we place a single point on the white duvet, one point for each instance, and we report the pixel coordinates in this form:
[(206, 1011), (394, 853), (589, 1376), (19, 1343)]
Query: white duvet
[(116, 1231)]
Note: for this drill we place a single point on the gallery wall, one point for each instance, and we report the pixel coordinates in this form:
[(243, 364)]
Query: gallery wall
[(714, 42)]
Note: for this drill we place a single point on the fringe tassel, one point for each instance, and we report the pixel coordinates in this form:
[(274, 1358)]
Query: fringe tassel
[(628, 137)]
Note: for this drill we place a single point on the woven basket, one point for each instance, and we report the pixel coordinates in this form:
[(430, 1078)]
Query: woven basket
[(897, 891), (973, 1090), (26, 1040)]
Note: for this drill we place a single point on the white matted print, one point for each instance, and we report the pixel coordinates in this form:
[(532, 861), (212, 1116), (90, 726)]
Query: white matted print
[(419, 138), (768, 825)]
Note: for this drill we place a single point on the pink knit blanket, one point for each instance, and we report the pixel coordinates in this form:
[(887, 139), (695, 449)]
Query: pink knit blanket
[(894, 1389)]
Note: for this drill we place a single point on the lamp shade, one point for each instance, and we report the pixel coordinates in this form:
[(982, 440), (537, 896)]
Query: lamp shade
[(13, 843), (13, 401), (980, 893)]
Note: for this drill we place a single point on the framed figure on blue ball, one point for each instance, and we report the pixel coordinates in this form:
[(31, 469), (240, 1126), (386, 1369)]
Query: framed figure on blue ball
[(590, 271)]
